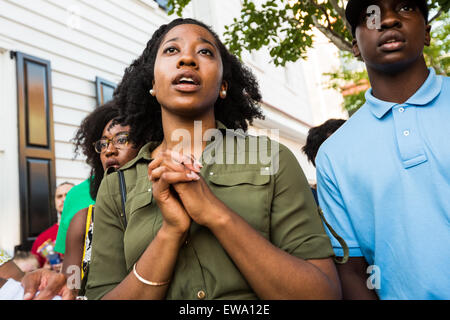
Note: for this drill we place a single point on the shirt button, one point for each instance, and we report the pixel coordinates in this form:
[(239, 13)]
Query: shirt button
[(401, 110), (406, 133), (201, 294)]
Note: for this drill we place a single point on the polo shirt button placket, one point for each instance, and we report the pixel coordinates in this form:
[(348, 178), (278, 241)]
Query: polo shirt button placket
[(409, 141)]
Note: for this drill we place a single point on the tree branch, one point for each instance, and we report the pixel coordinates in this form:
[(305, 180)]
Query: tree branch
[(335, 38), (341, 12), (437, 15)]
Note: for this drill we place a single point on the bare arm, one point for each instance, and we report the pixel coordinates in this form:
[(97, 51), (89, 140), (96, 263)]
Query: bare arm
[(271, 272), (75, 241), (156, 264), (353, 278), (158, 260), (52, 283), (11, 270)]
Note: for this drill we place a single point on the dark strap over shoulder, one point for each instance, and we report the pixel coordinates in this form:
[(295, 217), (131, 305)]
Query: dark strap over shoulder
[(123, 196), (338, 238)]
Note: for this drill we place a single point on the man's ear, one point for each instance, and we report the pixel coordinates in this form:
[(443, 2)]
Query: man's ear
[(427, 35), (355, 49)]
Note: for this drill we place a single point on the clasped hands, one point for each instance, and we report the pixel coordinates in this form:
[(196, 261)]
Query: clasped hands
[(181, 193)]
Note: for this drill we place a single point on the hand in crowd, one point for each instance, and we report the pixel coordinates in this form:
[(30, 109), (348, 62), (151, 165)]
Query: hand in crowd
[(192, 193), (49, 284), (169, 166)]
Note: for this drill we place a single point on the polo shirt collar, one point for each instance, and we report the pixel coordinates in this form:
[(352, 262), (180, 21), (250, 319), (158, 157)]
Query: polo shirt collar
[(426, 93)]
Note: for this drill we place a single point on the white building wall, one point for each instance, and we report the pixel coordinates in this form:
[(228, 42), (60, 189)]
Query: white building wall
[(9, 157), (84, 39)]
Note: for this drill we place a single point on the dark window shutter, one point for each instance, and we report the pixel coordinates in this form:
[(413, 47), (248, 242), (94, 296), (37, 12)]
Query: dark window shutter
[(105, 90), (36, 146)]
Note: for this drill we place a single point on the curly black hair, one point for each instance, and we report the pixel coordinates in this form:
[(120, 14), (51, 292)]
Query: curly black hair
[(142, 111), (91, 130), (317, 135)]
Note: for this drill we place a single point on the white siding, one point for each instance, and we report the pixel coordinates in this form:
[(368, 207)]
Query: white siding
[(9, 157)]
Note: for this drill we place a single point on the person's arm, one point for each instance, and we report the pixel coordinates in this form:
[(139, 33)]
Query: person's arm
[(353, 273), (257, 259), (75, 243), (354, 280), (272, 272), (108, 275), (48, 282), (10, 270)]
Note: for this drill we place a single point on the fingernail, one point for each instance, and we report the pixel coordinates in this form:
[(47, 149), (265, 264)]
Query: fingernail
[(27, 296), (198, 165), (193, 175)]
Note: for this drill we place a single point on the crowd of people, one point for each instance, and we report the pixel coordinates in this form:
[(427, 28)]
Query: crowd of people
[(176, 219)]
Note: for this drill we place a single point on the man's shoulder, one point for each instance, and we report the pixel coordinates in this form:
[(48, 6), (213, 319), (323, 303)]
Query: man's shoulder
[(446, 85), (78, 189), (78, 197), (350, 132)]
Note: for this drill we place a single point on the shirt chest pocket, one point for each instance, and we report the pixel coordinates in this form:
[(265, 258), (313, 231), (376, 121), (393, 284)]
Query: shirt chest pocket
[(247, 193), (139, 201), (140, 223), (138, 204)]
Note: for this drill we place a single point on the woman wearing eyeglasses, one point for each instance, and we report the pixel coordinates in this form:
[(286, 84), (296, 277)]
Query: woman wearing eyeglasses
[(105, 143), (109, 148)]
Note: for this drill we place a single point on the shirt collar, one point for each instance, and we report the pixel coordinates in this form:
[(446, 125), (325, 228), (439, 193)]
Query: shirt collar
[(426, 93)]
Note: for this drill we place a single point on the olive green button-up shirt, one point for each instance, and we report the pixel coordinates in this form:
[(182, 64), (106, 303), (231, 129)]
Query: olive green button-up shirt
[(268, 190)]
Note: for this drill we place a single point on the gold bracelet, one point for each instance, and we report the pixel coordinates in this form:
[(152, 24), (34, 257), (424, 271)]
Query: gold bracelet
[(150, 283)]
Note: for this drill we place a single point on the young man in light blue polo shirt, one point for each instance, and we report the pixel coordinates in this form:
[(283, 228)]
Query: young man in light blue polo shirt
[(384, 176)]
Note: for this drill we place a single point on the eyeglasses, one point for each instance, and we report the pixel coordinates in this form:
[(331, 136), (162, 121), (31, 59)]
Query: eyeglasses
[(119, 141)]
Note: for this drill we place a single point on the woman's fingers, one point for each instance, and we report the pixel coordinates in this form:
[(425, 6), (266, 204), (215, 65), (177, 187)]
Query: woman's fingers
[(175, 161), (54, 286), (155, 175), (177, 177), (187, 160), (154, 164)]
